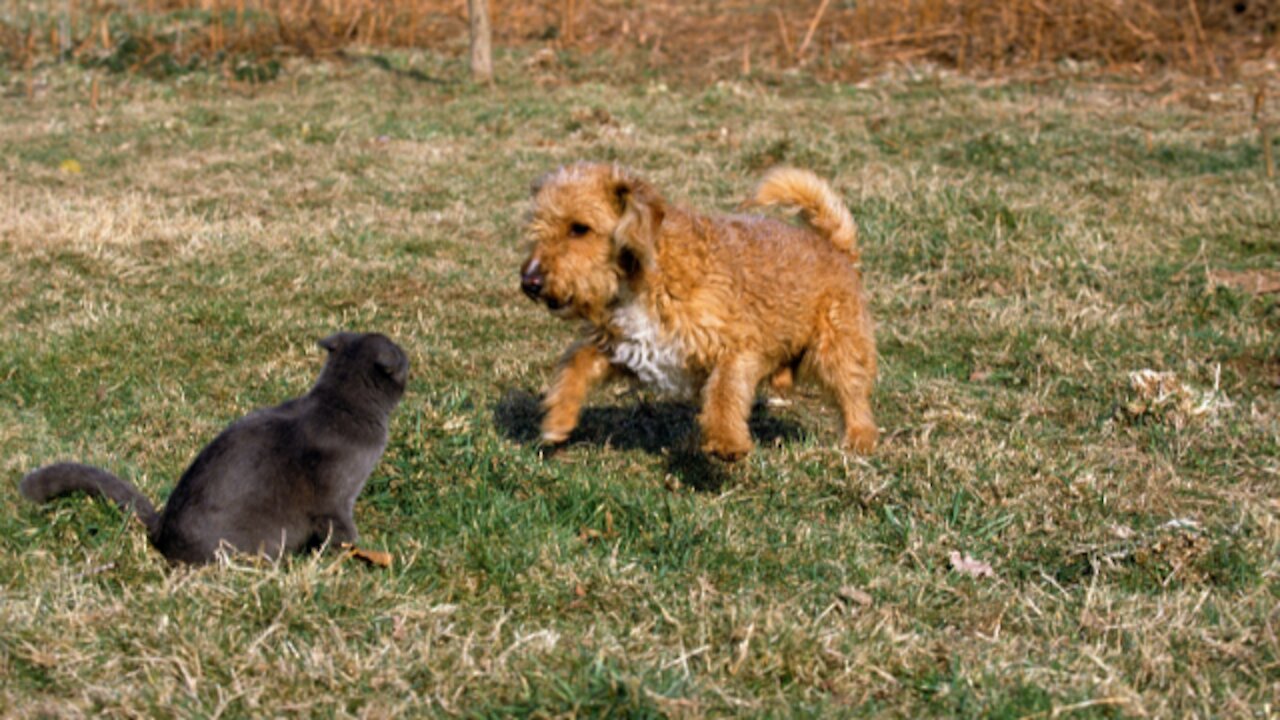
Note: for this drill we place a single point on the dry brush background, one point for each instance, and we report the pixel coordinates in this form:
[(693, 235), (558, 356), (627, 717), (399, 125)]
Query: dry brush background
[(833, 38)]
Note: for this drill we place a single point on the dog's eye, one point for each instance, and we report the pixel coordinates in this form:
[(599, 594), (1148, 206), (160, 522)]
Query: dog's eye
[(578, 229)]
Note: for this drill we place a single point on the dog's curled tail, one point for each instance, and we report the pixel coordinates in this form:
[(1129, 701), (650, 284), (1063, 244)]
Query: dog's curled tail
[(814, 197), (52, 481)]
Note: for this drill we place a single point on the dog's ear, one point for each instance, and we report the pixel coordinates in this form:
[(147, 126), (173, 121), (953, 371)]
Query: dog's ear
[(642, 210), (536, 186)]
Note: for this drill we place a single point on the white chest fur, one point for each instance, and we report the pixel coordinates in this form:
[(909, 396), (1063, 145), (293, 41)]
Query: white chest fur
[(658, 360)]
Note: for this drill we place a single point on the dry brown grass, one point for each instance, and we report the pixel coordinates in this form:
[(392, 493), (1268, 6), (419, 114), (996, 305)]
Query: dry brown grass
[(729, 37)]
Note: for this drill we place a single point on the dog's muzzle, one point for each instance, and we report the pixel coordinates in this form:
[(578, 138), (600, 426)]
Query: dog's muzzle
[(532, 280), (531, 283)]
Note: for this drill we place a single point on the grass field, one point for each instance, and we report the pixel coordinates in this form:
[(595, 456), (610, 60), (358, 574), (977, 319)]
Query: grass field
[(170, 258)]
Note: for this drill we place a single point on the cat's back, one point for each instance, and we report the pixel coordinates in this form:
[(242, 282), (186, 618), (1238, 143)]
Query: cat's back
[(254, 467), (244, 456)]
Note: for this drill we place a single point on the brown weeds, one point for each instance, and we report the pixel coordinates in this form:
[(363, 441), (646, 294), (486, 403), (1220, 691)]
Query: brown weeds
[(1192, 36)]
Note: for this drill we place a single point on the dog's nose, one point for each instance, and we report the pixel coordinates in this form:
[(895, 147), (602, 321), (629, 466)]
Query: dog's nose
[(531, 283)]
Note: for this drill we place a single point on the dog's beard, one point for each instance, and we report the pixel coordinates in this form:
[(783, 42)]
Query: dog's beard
[(561, 308)]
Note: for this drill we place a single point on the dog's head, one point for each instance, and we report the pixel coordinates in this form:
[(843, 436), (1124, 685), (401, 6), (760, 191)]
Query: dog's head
[(593, 229)]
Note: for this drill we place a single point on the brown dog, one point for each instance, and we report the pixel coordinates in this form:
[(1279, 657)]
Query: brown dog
[(691, 304)]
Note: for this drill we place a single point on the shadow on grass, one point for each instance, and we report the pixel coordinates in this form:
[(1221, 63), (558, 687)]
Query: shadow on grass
[(381, 62), (663, 428)]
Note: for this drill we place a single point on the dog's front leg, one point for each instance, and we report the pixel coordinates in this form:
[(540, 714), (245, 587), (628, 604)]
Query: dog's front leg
[(582, 367), (726, 407)]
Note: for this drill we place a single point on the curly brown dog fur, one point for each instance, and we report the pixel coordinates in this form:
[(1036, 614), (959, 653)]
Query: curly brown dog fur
[(701, 306)]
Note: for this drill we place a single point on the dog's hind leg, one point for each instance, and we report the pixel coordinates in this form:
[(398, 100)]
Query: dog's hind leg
[(782, 380), (843, 358), (860, 432), (582, 367), (726, 406)]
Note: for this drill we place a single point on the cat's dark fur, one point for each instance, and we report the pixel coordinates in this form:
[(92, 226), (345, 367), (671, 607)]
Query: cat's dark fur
[(281, 479)]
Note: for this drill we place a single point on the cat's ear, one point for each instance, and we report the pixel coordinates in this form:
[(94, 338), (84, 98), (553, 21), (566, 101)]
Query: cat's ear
[(334, 342), (391, 361)]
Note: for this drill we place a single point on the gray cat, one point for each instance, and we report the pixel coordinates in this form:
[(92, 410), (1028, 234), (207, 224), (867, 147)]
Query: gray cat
[(281, 479)]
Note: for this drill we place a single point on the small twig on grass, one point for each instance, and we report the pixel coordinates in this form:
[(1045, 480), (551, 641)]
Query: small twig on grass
[(96, 570), (1064, 709), (813, 25), (1208, 50), (782, 30), (683, 659), (909, 37)]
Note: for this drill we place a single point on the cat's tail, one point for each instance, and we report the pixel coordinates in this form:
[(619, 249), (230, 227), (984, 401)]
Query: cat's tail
[(806, 192), (54, 481)]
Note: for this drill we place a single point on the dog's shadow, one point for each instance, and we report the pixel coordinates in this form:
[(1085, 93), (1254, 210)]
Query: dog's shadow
[(661, 428)]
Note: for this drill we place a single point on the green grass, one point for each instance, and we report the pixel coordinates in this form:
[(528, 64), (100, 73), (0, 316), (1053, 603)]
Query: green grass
[(1026, 248)]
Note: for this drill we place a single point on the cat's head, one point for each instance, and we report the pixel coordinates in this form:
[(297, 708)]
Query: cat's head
[(371, 358)]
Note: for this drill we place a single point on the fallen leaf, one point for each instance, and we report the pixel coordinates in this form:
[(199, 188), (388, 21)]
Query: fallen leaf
[(373, 557), (71, 167), (1163, 396), (1254, 282), (457, 424), (1182, 524), (1123, 532), (966, 565), (1152, 385), (854, 595), (544, 58)]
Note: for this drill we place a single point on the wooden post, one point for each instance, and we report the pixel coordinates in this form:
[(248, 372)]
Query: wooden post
[(481, 41), (30, 62), (65, 37), (1268, 160), (1264, 129), (568, 12)]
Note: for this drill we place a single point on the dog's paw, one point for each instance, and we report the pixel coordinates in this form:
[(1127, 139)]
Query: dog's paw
[(557, 425), (861, 440), (554, 436), (726, 450)]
